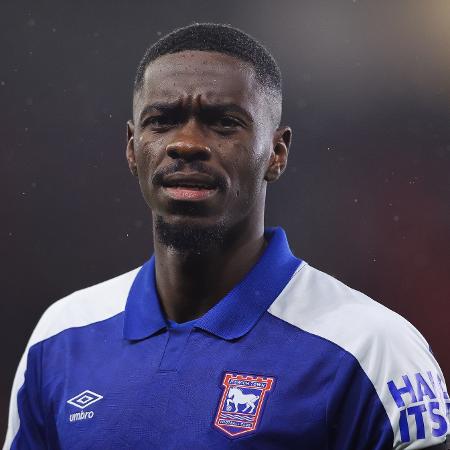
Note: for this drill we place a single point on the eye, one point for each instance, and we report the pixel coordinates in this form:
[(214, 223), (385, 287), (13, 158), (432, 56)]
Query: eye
[(159, 122), (226, 123)]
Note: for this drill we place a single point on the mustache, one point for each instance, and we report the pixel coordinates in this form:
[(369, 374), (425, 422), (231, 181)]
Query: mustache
[(195, 166)]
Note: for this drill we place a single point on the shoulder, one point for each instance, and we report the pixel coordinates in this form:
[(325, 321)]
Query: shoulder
[(85, 306), (392, 353), (320, 304)]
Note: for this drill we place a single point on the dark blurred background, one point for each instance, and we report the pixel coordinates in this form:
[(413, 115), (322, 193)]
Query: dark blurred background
[(366, 193)]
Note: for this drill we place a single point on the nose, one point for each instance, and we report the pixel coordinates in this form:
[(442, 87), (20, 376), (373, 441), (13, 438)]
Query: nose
[(189, 144)]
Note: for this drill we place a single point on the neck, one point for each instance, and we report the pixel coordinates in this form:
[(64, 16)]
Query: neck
[(190, 283)]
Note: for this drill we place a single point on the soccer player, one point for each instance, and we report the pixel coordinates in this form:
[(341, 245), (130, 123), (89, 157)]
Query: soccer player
[(223, 339)]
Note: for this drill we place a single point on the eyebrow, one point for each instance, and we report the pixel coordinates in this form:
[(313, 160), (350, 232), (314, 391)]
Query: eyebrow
[(214, 108), (220, 108), (159, 106)]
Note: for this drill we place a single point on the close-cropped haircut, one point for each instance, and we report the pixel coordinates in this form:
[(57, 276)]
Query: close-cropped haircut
[(216, 38)]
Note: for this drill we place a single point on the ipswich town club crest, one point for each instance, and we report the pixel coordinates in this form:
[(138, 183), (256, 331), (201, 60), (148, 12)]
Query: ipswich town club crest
[(241, 403)]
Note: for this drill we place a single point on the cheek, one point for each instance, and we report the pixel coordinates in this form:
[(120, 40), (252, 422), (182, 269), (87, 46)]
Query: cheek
[(249, 167), (148, 155)]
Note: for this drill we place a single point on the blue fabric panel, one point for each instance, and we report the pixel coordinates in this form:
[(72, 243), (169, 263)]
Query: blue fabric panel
[(32, 431), (176, 342), (356, 418)]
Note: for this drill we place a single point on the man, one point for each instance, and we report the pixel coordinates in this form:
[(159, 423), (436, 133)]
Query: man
[(223, 339)]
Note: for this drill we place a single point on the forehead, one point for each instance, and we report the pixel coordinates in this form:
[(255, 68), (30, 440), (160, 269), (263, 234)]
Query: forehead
[(215, 77)]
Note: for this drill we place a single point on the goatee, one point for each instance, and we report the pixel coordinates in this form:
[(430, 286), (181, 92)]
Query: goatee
[(189, 239)]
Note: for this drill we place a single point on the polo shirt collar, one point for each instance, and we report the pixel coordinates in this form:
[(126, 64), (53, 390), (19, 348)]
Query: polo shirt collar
[(236, 313)]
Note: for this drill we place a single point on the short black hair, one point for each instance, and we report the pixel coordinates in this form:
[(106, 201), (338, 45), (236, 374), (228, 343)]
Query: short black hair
[(217, 38)]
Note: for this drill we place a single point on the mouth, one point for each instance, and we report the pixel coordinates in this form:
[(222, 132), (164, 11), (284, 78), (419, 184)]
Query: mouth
[(189, 186), (188, 192)]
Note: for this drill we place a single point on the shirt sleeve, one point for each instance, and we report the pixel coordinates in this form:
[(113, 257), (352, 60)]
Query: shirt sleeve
[(405, 406), (26, 424)]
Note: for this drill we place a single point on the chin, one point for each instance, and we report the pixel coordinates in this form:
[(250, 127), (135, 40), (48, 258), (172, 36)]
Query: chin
[(187, 234)]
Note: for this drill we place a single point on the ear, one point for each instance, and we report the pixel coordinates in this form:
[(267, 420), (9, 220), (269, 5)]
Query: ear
[(130, 148), (278, 158)]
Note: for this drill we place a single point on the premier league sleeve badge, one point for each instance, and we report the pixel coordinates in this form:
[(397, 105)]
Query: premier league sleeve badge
[(241, 404)]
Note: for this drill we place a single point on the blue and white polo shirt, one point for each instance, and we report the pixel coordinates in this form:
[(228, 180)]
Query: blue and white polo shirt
[(291, 358)]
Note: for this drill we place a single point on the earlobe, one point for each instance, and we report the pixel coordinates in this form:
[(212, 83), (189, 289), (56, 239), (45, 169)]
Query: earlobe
[(273, 171), (130, 155)]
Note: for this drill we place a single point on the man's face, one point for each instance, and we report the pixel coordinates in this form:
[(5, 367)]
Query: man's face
[(202, 140)]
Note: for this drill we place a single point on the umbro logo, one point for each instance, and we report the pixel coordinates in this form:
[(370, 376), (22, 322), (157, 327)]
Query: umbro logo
[(86, 398), (82, 400)]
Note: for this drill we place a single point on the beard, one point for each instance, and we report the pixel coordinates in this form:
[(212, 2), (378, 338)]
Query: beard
[(189, 239)]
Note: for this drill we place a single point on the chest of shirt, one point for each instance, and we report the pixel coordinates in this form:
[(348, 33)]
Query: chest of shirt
[(185, 390)]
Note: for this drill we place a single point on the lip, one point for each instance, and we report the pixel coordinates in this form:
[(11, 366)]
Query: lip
[(189, 180), (189, 193), (191, 186)]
